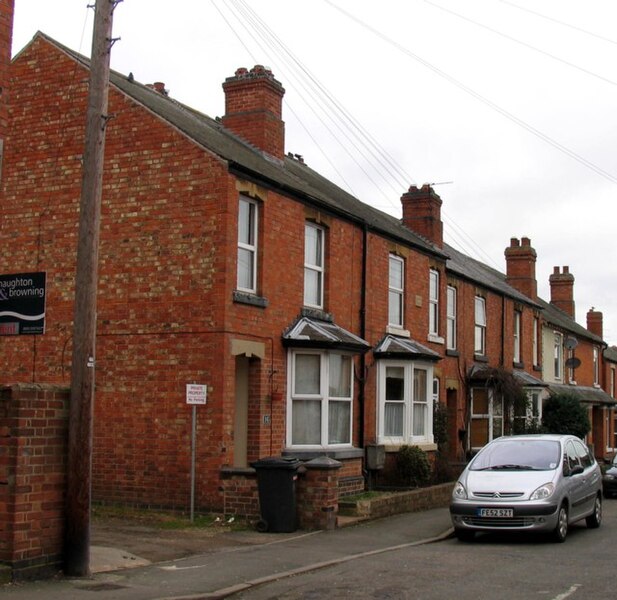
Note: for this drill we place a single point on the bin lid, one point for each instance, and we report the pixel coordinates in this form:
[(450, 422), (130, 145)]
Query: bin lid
[(277, 462)]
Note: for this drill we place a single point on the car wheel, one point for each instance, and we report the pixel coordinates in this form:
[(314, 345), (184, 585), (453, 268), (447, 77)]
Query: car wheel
[(465, 535), (595, 518), (561, 529)]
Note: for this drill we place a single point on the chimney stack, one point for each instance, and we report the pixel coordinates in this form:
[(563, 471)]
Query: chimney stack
[(254, 108), (594, 322), (521, 267), (422, 213), (562, 290)]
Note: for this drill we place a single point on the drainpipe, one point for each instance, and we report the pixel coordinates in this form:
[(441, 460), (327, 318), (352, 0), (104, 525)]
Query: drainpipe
[(363, 334), (502, 358)]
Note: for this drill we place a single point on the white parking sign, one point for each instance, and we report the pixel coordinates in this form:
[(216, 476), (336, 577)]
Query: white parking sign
[(196, 394)]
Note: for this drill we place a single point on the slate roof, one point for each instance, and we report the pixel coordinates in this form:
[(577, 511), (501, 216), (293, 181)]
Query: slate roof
[(296, 179), (473, 270), (564, 321), (482, 372), (392, 346), (307, 332), (611, 353), (588, 394), (288, 176)]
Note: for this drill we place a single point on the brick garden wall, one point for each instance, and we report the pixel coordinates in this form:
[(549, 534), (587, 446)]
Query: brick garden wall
[(33, 445)]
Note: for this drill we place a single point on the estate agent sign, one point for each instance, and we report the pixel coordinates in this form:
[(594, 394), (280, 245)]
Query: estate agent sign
[(22, 304)]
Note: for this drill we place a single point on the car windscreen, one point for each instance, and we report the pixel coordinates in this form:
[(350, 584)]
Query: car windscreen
[(518, 455)]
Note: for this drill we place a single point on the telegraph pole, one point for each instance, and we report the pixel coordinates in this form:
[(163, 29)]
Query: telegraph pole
[(78, 498)]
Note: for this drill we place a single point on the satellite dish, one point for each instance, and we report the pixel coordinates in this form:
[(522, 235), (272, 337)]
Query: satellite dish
[(571, 343), (573, 362)]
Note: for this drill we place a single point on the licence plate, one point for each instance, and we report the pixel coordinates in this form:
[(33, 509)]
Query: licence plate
[(499, 513)]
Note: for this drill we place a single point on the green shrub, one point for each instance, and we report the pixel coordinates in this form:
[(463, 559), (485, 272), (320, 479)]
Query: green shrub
[(413, 466), (563, 413)]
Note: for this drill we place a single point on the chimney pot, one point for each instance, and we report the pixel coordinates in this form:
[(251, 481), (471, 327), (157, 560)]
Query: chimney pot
[(521, 267), (422, 213), (253, 109), (562, 290), (595, 322)]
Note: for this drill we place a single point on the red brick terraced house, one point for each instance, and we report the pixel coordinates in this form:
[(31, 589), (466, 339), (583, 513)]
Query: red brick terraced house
[(609, 384), (320, 326)]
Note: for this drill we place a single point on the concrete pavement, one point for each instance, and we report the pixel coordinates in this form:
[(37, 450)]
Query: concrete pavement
[(221, 572)]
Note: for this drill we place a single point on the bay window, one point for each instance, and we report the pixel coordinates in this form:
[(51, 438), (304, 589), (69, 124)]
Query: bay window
[(486, 416), (405, 391), (320, 403)]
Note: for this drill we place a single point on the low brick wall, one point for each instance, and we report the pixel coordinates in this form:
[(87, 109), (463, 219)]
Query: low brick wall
[(408, 501), (240, 494), (318, 494), (33, 449)]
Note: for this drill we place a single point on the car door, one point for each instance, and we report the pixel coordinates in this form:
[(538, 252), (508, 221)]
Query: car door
[(575, 482), (590, 477)]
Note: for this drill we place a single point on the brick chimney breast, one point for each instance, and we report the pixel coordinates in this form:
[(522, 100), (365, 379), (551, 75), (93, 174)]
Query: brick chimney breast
[(595, 322), (422, 213), (562, 290), (521, 267), (254, 108)]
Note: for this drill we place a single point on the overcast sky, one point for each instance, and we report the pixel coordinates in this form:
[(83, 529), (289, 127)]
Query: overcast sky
[(510, 106)]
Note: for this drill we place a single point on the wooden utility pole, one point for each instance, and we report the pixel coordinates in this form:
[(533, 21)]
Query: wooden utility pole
[(78, 498)]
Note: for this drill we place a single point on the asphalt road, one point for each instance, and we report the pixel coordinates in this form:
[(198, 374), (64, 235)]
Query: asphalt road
[(492, 567)]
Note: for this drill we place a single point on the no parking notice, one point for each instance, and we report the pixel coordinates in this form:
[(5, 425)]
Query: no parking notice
[(196, 393)]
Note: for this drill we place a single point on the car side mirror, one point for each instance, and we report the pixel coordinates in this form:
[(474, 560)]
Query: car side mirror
[(576, 470)]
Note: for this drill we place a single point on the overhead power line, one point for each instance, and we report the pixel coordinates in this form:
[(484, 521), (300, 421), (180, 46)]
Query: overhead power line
[(363, 143), (562, 23), (508, 115), (521, 43)]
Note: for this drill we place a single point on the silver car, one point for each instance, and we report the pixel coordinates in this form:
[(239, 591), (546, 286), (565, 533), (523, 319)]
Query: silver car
[(539, 483)]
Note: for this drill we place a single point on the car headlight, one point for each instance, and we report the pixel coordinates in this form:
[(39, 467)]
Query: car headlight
[(543, 492), (459, 492)]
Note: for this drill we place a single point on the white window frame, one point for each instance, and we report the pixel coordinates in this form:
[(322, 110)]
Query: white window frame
[(534, 405), (314, 265), (517, 336), (535, 342), (323, 396), (409, 400), (608, 418), (249, 246), (433, 303), (396, 291), (596, 366), (480, 326), (558, 356), (490, 415), (571, 378), (451, 300)]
